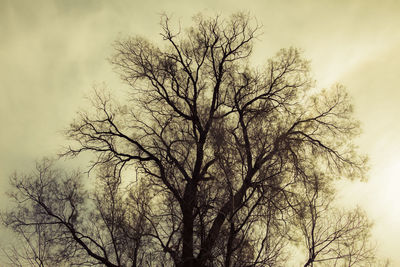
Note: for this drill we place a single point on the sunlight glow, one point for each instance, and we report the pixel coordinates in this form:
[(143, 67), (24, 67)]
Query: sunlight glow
[(385, 191)]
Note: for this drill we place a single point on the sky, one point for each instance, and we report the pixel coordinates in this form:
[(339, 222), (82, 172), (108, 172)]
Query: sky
[(52, 53)]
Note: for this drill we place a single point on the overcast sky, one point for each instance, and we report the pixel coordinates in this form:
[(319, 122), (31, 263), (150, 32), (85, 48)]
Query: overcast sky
[(53, 52)]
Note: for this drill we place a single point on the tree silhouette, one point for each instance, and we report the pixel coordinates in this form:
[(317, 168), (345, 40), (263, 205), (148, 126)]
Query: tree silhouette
[(209, 162)]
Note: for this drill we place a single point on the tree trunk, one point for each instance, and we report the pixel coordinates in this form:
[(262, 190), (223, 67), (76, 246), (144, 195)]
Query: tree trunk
[(187, 232)]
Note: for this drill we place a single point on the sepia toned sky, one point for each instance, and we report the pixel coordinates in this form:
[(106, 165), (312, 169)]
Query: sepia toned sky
[(53, 52)]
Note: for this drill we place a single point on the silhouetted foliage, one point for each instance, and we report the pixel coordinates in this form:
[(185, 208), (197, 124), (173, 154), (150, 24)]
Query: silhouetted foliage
[(209, 162)]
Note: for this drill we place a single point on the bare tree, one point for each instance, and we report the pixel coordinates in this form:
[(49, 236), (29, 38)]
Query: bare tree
[(223, 158), (62, 223), (332, 236)]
